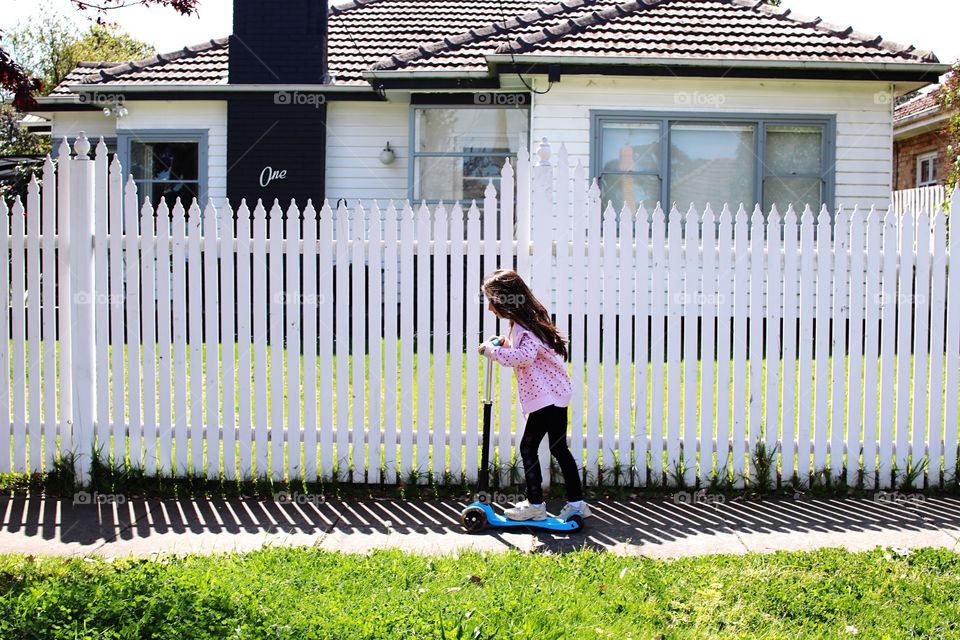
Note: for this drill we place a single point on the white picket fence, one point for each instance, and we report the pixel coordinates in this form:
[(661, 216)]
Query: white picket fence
[(217, 342), (922, 198)]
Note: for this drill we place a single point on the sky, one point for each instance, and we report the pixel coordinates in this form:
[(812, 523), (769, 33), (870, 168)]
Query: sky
[(927, 24)]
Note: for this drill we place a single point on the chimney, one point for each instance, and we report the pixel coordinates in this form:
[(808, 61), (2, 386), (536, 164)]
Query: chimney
[(278, 42)]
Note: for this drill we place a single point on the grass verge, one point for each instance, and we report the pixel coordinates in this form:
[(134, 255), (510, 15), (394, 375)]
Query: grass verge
[(310, 593)]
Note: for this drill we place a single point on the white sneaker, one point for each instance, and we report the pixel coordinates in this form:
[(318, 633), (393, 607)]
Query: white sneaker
[(526, 511), (570, 509)]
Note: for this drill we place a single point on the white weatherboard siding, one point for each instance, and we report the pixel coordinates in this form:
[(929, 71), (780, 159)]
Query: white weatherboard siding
[(356, 134), (93, 123), (208, 115), (863, 111)]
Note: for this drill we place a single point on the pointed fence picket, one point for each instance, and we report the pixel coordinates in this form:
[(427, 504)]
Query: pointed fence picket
[(283, 342)]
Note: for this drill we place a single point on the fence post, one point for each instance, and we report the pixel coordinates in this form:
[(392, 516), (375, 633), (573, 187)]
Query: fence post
[(541, 234), (82, 302)]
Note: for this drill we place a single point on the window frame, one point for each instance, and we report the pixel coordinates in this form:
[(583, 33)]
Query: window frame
[(761, 122), (415, 155), (126, 138), (924, 157)]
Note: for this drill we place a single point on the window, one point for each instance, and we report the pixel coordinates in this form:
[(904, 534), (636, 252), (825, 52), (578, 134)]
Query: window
[(727, 159), (457, 150), (927, 169), (166, 165)]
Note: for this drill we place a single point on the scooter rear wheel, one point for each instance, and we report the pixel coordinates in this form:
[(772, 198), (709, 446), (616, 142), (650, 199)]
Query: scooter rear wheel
[(577, 520), (473, 519)]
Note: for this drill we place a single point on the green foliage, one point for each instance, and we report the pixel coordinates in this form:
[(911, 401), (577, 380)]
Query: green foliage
[(764, 477), (49, 45), (310, 593), (950, 97)]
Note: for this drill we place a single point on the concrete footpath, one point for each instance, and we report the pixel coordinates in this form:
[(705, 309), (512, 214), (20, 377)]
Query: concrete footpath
[(660, 528)]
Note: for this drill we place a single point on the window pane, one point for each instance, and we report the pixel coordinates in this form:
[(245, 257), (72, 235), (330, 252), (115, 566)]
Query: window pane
[(165, 160), (456, 178), (471, 130), (170, 191), (796, 191), (794, 151), (927, 172), (630, 147), (632, 190), (711, 163)]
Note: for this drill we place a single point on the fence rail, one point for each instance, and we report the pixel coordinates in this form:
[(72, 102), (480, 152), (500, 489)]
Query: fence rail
[(248, 343)]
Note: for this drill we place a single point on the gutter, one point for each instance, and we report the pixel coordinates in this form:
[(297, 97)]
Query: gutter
[(635, 61), (116, 87), (446, 74), (919, 123)]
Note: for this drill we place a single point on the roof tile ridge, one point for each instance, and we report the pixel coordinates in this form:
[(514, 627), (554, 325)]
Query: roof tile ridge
[(839, 31), (471, 36), (340, 9), (111, 73)]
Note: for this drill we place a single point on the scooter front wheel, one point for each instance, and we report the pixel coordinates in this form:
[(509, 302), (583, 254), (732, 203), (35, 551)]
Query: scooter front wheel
[(473, 519)]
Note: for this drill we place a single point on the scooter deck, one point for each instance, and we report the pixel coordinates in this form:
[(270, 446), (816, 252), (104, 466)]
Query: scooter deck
[(494, 519)]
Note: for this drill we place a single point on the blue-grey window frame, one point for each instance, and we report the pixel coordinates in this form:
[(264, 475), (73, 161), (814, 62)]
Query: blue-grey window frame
[(761, 120), (414, 154), (125, 137)]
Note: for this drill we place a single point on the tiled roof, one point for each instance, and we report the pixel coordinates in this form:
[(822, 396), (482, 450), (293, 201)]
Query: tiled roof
[(364, 31), (456, 35), (203, 64), (925, 102), (726, 29), (76, 76)]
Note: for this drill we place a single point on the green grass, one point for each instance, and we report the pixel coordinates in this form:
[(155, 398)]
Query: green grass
[(309, 593)]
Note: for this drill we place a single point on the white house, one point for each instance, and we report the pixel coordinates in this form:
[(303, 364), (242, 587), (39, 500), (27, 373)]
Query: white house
[(671, 100)]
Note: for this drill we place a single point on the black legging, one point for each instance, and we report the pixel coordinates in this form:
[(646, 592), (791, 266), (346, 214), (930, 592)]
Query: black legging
[(552, 421)]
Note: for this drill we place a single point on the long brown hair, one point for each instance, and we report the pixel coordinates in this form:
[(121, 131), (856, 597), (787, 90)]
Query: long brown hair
[(512, 299)]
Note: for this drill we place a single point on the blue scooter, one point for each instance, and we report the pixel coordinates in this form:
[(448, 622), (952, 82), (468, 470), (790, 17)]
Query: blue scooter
[(480, 514)]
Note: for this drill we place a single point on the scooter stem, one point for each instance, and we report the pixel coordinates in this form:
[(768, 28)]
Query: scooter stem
[(483, 478)]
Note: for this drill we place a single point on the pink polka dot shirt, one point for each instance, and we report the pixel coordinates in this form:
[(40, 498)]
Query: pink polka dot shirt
[(541, 374)]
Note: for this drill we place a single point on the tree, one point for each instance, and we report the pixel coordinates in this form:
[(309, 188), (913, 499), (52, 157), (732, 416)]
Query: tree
[(14, 78), (49, 47), (14, 139), (950, 98)]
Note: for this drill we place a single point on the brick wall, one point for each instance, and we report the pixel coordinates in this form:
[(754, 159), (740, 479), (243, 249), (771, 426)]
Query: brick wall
[(905, 154)]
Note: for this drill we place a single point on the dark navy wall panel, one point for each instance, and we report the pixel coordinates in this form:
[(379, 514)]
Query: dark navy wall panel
[(275, 149)]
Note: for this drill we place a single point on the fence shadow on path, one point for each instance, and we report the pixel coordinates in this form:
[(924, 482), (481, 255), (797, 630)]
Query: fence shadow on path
[(641, 526)]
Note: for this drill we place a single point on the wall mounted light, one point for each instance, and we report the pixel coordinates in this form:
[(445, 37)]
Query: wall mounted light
[(388, 155), (117, 111)]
